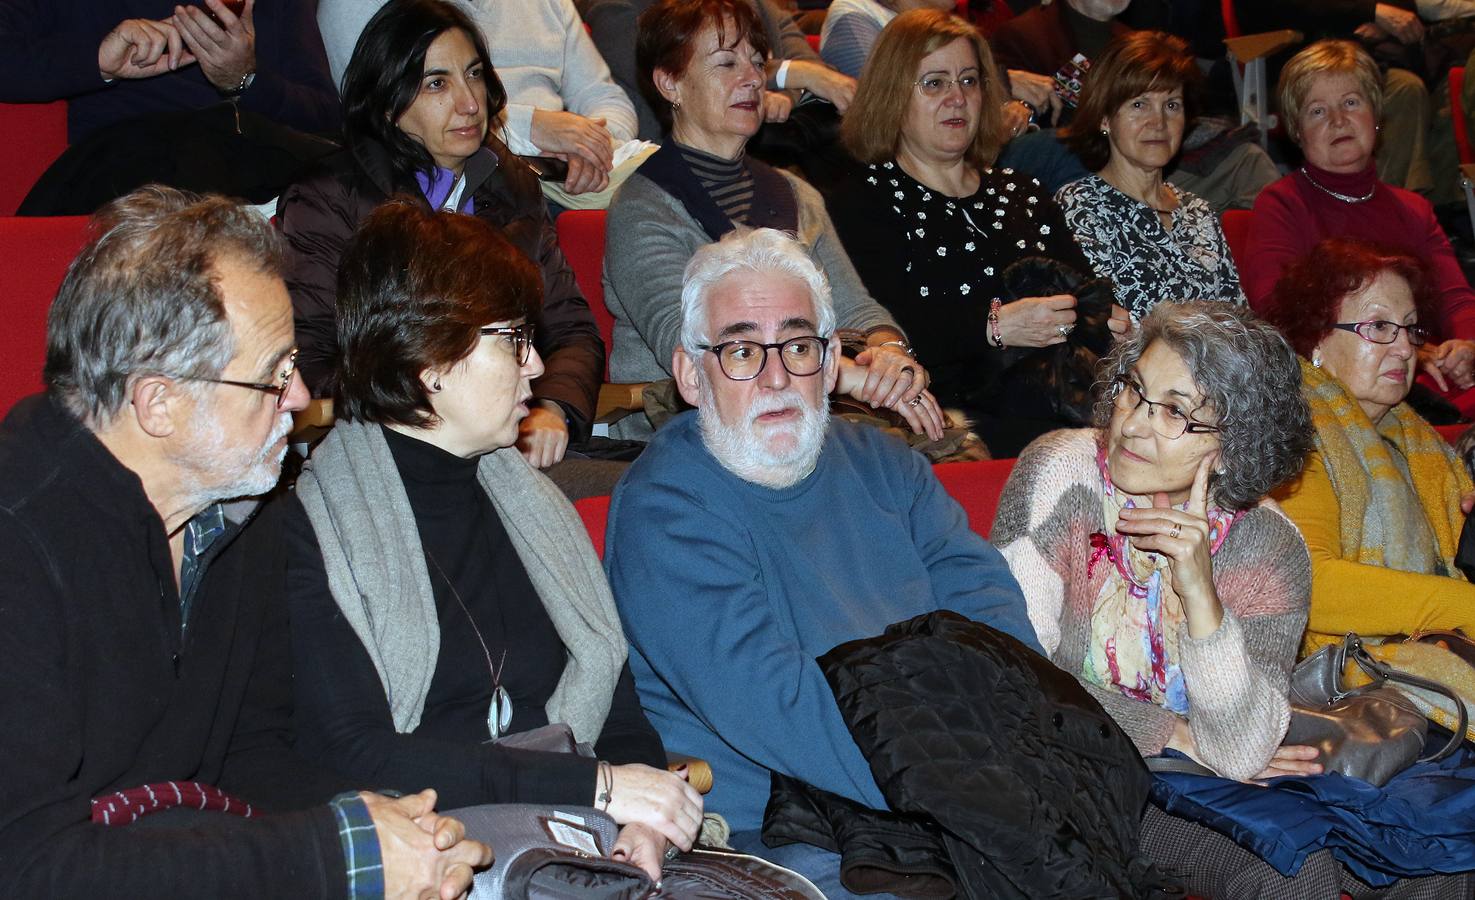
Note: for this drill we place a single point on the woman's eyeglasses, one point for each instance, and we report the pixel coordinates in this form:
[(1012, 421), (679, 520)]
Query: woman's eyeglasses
[(1168, 419), (937, 85), (1381, 331), (522, 339)]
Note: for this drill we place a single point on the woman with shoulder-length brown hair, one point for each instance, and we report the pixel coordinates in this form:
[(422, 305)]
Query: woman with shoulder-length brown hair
[(1154, 240), (931, 226)]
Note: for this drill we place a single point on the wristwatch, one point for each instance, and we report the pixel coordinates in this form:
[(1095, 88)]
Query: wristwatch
[(239, 89)]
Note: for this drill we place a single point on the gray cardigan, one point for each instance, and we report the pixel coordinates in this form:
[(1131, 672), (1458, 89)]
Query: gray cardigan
[(650, 237)]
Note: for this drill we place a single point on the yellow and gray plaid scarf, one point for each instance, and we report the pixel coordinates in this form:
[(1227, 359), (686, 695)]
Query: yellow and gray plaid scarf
[(1395, 513)]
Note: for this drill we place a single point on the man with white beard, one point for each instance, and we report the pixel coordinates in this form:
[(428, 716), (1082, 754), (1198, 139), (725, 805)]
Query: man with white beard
[(756, 533), (144, 658)]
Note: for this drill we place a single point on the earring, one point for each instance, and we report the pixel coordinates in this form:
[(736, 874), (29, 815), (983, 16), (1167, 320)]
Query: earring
[(1316, 358), (435, 387), (676, 107), (1104, 132)]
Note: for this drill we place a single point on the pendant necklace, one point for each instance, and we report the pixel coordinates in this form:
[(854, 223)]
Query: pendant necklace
[(499, 712)]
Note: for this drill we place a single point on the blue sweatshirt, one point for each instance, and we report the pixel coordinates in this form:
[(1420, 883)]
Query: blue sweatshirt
[(729, 591)]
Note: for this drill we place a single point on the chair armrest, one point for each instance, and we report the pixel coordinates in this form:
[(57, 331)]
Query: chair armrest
[(312, 421), (698, 772), (1250, 47), (616, 401)]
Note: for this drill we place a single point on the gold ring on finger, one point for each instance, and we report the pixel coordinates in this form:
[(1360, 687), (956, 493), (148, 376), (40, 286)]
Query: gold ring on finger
[(1177, 529)]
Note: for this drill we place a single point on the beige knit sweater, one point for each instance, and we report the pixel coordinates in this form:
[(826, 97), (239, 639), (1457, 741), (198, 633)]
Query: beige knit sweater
[(1236, 677)]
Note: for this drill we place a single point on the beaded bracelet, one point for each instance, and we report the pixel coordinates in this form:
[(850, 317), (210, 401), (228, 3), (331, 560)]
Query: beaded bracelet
[(994, 337)]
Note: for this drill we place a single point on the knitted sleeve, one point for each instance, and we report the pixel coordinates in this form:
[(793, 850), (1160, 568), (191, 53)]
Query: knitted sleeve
[(847, 44), (1237, 677)]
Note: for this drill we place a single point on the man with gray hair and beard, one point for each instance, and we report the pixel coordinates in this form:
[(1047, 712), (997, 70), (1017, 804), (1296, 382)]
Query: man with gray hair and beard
[(144, 657), (756, 533)]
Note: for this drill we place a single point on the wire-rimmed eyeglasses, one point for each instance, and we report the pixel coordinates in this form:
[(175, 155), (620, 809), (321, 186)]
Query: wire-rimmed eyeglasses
[(1168, 419), (744, 360), (938, 85), (281, 386), (1381, 331), (522, 339)]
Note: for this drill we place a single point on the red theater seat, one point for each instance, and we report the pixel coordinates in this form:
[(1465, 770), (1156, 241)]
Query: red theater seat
[(36, 253), (35, 134), (1236, 223), (595, 512), (976, 486), (581, 237)]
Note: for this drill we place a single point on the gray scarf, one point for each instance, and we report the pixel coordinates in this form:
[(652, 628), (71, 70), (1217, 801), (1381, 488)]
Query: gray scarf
[(376, 570)]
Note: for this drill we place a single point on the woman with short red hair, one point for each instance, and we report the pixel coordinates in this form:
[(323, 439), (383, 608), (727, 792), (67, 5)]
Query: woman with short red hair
[(1380, 500)]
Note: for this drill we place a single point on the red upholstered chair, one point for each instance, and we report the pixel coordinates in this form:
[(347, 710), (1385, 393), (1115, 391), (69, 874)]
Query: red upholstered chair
[(1457, 115), (976, 486), (1236, 223), (1451, 433), (581, 237), (36, 253), (35, 134), (813, 40), (595, 513)]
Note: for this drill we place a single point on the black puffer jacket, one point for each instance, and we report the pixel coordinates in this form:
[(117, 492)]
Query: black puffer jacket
[(1005, 778)]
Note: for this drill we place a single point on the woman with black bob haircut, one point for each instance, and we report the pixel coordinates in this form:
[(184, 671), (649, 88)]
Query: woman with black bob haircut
[(446, 602), (419, 96)]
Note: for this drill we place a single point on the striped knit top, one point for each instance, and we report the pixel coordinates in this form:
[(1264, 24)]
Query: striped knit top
[(1236, 678), (727, 182)]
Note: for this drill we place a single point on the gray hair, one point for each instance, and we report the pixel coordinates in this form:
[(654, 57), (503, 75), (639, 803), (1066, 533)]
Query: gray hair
[(1249, 376), (759, 251), (141, 298)]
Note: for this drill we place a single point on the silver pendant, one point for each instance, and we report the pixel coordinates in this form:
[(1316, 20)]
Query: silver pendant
[(499, 714)]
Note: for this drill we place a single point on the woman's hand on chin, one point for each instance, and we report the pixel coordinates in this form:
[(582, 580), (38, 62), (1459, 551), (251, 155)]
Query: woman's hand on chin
[(659, 800), (640, 846), (1183, 537), (543, 435), (1037, 321)]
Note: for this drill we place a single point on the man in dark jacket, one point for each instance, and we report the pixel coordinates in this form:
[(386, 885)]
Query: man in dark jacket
[(143, 651)]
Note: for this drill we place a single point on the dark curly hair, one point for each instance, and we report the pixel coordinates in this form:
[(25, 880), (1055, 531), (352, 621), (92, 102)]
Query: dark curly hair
[(1249, 376), (1307, 300)]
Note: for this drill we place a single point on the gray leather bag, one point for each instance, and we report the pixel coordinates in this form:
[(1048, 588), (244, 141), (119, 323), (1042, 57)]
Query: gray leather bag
[(1371, 732)]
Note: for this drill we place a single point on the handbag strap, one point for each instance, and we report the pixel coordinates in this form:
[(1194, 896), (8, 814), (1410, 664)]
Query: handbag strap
[(1381, 672)]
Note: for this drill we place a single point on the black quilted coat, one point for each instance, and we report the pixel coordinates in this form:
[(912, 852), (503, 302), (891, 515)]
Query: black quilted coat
[(1005, 778)]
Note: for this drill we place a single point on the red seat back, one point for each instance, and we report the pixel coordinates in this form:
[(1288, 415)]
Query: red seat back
[(1236, 223), (36, 253), (976, 486), (595, 513), (1231, 21), (1457, 115), (581, 236), (35, 134), (813, 40)]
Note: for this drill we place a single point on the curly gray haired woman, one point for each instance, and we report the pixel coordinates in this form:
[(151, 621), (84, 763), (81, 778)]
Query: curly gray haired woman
[(1155, 569)]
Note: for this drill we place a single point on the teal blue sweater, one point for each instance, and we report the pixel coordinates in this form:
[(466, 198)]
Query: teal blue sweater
[(729, 591)]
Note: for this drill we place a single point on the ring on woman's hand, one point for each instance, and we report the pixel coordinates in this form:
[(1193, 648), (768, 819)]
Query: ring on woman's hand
[(915, 401), (672, 853), (910, 371), (1177, 529), (1064, 330)]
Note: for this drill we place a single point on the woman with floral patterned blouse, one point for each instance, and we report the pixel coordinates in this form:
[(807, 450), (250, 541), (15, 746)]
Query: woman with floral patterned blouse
[(1154, 240), (931, 227)]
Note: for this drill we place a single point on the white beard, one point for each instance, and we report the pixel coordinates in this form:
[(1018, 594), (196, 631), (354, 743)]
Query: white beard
[(746, 453), (217, 472)]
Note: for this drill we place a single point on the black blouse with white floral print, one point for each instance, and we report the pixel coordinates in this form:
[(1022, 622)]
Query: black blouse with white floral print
[(1126, 242), (936, 261)]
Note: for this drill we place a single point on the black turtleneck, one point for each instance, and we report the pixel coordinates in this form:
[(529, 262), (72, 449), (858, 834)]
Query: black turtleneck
[(343, 715), (464, 539)]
